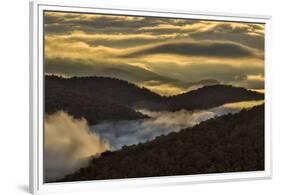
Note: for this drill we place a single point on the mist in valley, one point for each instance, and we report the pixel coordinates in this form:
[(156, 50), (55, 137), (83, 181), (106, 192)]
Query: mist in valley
[(131, 132), (70, 142)]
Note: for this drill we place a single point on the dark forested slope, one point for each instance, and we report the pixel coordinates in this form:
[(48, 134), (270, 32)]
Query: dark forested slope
[(211, 96), (60, 95), (115, 90), (233, 142)]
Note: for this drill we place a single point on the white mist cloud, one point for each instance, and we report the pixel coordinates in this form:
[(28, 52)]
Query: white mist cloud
[(177, 120), (132, 132), (68, 144), (235, 107)]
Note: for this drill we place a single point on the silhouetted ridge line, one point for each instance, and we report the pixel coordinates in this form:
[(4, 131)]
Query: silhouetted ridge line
[(102, 98), (211, 96)]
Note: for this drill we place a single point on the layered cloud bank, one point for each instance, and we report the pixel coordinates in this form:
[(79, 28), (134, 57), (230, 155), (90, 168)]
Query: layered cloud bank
[(202, 48), (68, 144), (184, 49)]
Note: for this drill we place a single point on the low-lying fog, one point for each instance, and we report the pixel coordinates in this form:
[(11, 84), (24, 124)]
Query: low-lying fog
[(69, 142), (131, 132)]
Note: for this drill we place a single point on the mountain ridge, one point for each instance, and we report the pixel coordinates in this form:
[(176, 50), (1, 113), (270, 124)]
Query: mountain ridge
[(115, 99), (132, 73)]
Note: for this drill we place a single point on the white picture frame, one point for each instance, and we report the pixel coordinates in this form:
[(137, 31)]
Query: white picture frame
[(36, 98)]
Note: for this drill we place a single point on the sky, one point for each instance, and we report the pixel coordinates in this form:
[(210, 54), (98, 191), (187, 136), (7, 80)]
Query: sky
[(168, 56)]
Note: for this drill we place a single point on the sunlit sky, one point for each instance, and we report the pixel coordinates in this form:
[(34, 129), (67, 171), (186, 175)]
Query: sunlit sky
[(162, 54)]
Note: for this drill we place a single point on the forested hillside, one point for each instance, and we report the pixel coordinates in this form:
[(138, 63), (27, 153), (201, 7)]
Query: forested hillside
[(211, 96), (233, 142), (60, 95)]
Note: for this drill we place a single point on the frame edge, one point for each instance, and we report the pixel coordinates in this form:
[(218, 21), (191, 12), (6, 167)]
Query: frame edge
[(33, 139), (34, 184)]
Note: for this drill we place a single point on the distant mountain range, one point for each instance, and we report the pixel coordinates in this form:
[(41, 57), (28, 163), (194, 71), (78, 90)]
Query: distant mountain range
[(230, 143), (121, 71), (130, 73), (102, 98)]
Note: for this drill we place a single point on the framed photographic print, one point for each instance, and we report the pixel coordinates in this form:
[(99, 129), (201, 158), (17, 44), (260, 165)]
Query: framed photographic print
[(127, 96)]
